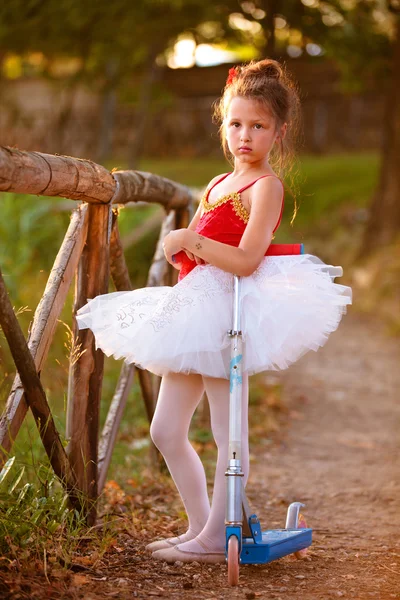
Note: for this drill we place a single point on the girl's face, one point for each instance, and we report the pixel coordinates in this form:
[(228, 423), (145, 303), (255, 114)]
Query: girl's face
[(250, 130)]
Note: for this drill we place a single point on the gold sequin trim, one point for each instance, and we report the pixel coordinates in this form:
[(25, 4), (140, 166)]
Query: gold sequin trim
[(236, 201), (237, 206)]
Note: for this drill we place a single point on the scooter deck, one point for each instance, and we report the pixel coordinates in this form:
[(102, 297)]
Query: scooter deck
[(275, 544)]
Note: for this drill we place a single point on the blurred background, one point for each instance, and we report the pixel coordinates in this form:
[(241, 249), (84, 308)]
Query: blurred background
[(127, 80), (131, 85)]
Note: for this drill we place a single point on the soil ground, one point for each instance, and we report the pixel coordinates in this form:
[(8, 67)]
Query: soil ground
[(339, 453)]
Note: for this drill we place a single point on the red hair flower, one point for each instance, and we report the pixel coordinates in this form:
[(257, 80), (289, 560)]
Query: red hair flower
[(233, 73)]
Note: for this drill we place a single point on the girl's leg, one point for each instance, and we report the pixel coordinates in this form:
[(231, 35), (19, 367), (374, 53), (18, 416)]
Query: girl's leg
[(212, 537), (178, 398)]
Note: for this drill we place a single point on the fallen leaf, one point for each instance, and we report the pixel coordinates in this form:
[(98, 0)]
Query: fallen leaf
[(80, 579)]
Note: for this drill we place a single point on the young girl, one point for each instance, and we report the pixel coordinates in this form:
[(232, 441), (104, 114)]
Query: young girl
[(290, 304)]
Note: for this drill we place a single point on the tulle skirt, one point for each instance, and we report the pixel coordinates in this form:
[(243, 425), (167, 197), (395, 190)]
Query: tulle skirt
[(289, 306)]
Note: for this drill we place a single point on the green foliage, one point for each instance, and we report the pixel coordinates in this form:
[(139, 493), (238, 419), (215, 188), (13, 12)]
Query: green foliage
[(361, 45), (329, 186), (32, 515), (30, 232), (108, 41), (334, 181), (128, 33), (357, 34)]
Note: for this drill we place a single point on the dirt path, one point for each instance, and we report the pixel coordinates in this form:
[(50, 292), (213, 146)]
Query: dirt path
[(339, 453), (341, 456)]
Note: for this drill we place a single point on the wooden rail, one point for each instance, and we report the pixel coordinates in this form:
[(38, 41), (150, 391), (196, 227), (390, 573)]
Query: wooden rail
[(76, 179), (91, 250)]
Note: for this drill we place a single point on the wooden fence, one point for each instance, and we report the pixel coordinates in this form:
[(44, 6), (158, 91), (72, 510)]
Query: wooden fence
[(91, 251)]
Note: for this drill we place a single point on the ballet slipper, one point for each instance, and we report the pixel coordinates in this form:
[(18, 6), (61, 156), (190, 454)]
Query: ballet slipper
[(166, 543), (173, 554), (159, 545)]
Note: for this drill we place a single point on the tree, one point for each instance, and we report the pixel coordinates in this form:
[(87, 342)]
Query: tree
[(110, 40), (368, 46), (364, 40), (383, 225)]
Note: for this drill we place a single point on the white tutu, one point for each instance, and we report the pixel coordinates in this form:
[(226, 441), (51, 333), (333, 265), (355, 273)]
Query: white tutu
[(290, 305)]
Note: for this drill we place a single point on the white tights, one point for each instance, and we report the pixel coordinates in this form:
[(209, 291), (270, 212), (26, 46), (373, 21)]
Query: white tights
[(178, 398)]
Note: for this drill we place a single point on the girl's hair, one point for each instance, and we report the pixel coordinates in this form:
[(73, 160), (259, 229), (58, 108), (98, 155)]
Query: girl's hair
[(267, 82)]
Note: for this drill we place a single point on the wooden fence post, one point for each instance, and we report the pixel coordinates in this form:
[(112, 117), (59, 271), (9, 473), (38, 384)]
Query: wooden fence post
[(86, 373), (113, 420)]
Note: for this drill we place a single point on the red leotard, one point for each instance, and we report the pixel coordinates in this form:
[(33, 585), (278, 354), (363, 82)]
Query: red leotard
[(224, 221)]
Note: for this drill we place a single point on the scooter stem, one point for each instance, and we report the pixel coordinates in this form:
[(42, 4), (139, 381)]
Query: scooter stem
[(235, 379)]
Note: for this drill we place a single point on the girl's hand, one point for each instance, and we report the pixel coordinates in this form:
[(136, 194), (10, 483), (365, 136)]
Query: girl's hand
[(172, 244), (197, 259)]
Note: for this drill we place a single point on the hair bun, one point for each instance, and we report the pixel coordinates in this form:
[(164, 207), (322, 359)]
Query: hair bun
[(270, 68)]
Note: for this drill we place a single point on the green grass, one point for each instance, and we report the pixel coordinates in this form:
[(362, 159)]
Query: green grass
[(192, 172), (329, 192), (324, 182), (340, 178)]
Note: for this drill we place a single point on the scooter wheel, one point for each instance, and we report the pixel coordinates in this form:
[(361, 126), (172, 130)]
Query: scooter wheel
[(301, 524), (233, 560)]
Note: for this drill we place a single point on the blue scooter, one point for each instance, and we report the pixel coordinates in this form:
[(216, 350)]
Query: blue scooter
[(246, 543)]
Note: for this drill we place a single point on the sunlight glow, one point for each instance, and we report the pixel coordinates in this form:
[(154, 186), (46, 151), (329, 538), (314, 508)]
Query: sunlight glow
[(209, 29), (258, 13), (207, 55), (282, 34), (313, 49), (294, 51), (248, 7), (295, 36), (280, 22), (186, 54), (330, 16), (12, 66), (332, 19), (348, 4), (238, 21), (251, 9), (183, 55)]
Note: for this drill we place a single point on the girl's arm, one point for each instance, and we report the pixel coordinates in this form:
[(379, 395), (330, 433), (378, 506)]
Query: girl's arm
[(176, 261), (266, 202), (192, 226)]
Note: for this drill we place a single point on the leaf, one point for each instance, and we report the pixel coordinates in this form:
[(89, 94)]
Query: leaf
[(80, 579), (37, 516), (28, 487), (64, 503), (52, 526), (6, 469), (86, 561), (16, 481)]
